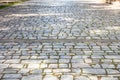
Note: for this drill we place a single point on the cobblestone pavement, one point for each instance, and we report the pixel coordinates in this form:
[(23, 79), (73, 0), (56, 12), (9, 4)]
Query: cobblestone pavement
[(60, 40)]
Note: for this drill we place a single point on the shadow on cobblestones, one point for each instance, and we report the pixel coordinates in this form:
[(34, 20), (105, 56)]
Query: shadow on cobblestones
[(60, 40), (69, 21)]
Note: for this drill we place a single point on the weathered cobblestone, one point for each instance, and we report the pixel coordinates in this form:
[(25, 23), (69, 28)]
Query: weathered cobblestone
[(12, 76), (10, 71), (4, 65), (109, 78), (12, 61), (63, 65), (112, 71), (67, 77), (24, 71), (94, 71), (82, 78), (60, 40), (33, 66), (62, 70), (80, 65), (53, 66), (36, 71), (16, 66), (108, 65), (50, 77), (32, 77), (43, 65)]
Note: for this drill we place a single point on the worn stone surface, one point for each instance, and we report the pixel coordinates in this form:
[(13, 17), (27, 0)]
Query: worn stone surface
[(67, 77), (32, 77), (13, 76), (50, 77), (60, 40)]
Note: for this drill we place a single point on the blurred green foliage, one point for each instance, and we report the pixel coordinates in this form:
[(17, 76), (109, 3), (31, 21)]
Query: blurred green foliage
[(7, 4)]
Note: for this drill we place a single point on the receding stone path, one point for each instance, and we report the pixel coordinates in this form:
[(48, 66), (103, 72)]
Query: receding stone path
[(60, 40)]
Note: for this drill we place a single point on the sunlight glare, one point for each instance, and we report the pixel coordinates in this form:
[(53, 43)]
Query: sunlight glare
[(115, 5)]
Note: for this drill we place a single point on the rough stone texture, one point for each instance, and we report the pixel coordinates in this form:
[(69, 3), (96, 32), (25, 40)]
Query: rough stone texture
[(82, 78), (32, 77), (109, 78), (50, 77), (13, 76), (60, 40), (33, 66), (94, 71), (67, 77)]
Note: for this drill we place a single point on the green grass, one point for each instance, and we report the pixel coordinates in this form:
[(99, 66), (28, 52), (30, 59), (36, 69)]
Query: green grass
[(10, 4), (3, 6), (6, 5)]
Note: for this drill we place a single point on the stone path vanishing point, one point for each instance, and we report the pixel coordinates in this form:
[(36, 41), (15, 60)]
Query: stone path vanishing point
[(60, 40)]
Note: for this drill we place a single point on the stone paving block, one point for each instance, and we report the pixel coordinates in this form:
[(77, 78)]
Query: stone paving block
[(65, 57), (82, 78), (82, 47), (15, 57), (112, 56), (12, 76), (10, 71), (77, 71), (16, 66), (66, 77), (109, 78), (32, 77), (33, 66), (44, 37), (23, 71), (94, 71), (50, 77), (54, 57), (63, 65), (53, 66), (36, 71), (108, 65), (93, 77), (77, 57), (97, 57), (33, 57), (96, 66), (51, 61), (64, 61), (61, 70), (31, 61), (43, 65), (2, 57), (107, 60), (12, 61), (80, 65), (4, 65), (42, 57), (112, 71), (88, 61), (77, 60), (47, 70)]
